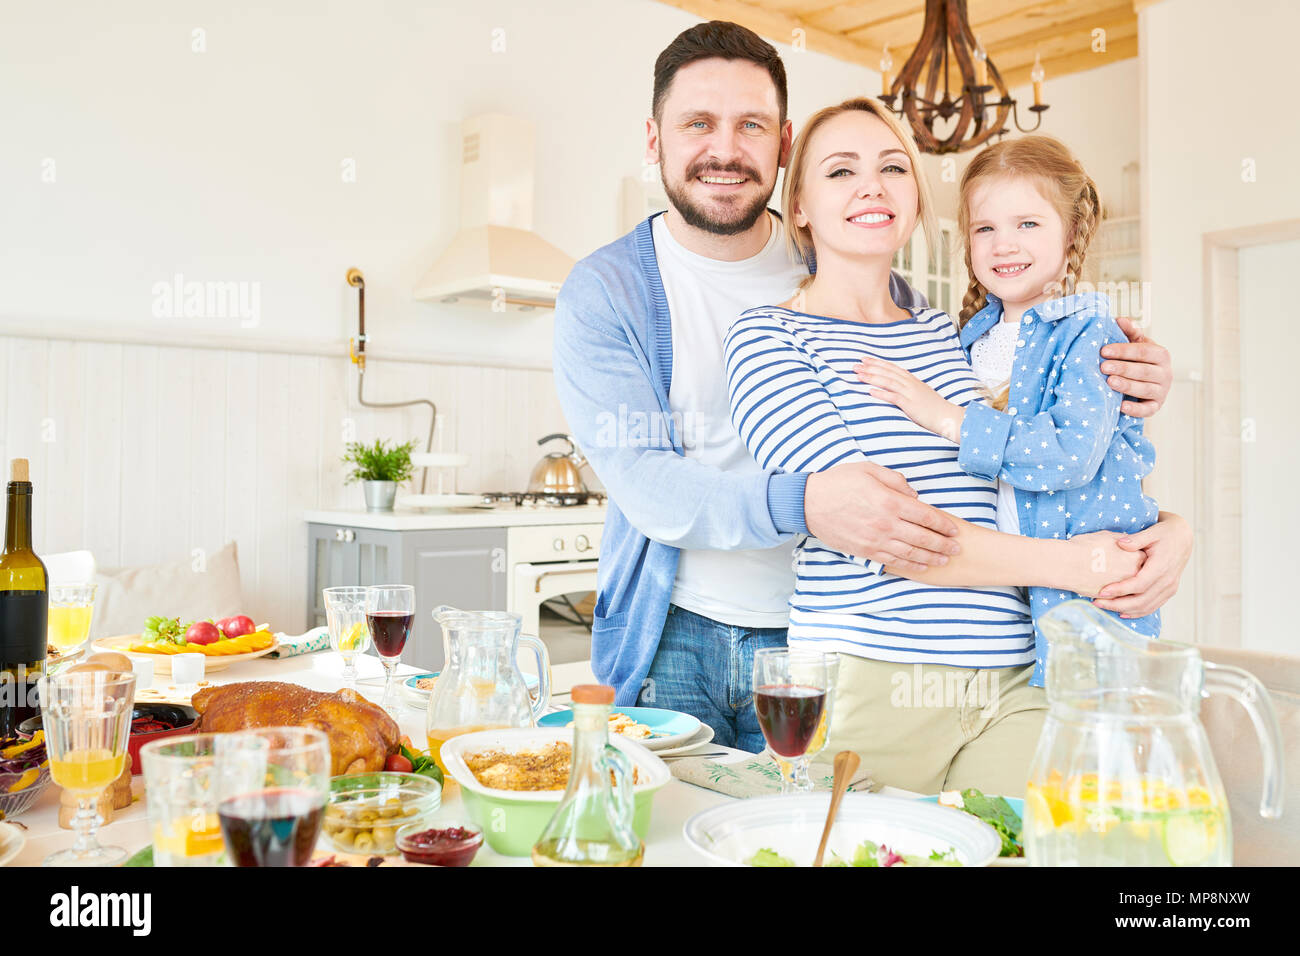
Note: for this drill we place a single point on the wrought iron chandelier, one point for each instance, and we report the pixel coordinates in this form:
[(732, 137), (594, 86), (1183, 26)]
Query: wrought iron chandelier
[(947, 43)]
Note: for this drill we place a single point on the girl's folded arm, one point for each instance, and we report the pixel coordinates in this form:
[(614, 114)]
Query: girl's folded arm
[(1063, 445), (1083, 564)]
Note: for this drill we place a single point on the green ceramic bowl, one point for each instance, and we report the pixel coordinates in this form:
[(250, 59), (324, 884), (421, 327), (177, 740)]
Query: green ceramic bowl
[(512, 820)]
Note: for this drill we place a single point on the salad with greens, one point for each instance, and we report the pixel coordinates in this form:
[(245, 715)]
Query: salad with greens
[(995, 811), (867, 854)]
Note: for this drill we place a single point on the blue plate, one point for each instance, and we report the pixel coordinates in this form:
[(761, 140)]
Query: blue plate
[(669, 726), (530, 680)]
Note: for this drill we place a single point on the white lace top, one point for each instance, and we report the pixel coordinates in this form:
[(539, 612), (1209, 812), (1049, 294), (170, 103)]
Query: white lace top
[(991, 357)]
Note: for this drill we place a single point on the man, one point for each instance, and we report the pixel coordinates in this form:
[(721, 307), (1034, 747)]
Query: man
[(695, 564)]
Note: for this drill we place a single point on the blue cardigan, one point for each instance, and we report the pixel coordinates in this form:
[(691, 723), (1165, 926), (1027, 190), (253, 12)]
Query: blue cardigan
[(613, 369)]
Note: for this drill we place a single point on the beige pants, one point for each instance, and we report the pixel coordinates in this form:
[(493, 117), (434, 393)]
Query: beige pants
[(928, 727)]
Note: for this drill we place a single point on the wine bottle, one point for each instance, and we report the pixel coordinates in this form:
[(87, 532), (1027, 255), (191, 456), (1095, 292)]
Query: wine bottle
[(24, 604)]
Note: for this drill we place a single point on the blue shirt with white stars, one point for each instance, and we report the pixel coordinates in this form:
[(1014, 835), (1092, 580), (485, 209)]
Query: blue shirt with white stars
[(1075, 460)]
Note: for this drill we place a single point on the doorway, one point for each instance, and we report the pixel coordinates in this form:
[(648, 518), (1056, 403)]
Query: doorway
[(1252, 443)]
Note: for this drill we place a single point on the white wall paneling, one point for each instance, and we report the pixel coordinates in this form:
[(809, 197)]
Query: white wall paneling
[(146, 454)]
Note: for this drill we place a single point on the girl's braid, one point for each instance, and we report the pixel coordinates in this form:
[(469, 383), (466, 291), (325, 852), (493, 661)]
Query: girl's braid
[(1087, 212)]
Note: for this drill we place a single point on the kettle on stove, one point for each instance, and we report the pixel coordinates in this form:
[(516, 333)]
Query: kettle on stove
[(559, 472)]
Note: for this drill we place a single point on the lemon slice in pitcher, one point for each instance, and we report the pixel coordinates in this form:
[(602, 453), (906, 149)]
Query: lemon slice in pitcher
[(1190, 838), (353, 638)]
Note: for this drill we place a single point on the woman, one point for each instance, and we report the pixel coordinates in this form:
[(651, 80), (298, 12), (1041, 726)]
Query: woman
[(933, 687)]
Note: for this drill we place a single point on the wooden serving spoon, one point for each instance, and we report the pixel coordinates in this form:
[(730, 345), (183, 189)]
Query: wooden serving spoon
[(846, 765)]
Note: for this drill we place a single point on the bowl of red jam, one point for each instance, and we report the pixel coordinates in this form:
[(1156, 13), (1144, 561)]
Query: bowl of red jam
[(435, 845)]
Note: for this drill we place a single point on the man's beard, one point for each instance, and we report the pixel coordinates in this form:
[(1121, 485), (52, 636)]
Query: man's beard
[(701, 218)]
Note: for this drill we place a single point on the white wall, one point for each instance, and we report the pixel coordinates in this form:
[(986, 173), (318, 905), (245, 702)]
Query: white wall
[(1200, 125)]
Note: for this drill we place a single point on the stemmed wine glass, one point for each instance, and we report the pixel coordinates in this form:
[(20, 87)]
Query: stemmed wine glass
[(345, 612), (273, 785), (390, 611), (86, 716), (790, 691), (820, 737)]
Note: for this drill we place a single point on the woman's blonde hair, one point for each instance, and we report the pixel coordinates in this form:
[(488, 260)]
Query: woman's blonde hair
[(799, 238), (1062, 181)]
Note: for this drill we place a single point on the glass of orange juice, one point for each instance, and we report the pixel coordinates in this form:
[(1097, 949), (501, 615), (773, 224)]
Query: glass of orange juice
[(181, 786), (71, 606), (86, 716)]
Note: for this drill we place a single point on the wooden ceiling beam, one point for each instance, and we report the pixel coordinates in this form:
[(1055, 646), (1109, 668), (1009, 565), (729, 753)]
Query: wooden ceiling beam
[(998, 34), (982, 12), (862, 15), (1013, 31), (1056, 67), (780, 28), (1015, 54)]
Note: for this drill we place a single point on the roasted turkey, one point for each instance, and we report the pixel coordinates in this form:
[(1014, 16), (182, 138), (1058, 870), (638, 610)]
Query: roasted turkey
[(361, 734)]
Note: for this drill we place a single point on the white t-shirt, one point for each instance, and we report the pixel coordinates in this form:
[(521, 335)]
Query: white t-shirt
[(741, 588), (991, 357)]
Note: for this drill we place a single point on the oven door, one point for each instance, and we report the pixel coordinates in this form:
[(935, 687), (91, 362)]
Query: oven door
[(535, 583)]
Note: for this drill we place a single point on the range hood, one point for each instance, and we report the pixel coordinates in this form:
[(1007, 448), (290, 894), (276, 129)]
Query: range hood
[(496, 261)]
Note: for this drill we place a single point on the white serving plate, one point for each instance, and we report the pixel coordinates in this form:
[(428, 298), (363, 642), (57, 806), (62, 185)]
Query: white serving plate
[(731, 834), (531, 738), (424, 502), (697, 740), (12, 841)]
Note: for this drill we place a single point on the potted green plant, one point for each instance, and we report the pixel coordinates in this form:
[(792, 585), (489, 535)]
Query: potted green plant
[(380, 469)]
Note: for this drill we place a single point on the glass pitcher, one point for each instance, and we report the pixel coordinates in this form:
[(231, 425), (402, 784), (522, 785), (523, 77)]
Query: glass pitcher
[(1123, 774), (481, 687)]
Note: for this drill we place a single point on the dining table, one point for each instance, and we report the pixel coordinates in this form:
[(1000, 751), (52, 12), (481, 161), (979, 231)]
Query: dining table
[(665, 845)]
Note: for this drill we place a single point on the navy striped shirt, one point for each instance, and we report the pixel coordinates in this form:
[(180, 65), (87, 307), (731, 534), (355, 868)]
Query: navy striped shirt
[(799, 407)]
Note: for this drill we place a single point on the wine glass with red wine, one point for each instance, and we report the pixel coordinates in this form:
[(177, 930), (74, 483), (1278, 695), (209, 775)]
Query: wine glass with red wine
[(790, 691), (390, 612), (273, 785)]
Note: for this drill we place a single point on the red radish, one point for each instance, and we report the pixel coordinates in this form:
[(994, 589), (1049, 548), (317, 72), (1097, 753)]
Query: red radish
[(203, 632), (237, 626)]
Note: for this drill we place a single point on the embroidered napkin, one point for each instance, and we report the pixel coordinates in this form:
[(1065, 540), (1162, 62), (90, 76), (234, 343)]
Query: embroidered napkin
[(756, 776), (317, 639)]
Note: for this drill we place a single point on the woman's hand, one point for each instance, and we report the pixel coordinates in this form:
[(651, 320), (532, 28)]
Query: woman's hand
[(918, 401), (1167, 546), (1139, 368), (1101, 561)]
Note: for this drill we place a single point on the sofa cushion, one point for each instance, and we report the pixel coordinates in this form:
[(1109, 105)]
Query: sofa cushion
[(189, 589)]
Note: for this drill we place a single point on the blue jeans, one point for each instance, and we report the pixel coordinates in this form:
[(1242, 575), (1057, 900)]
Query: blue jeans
[(706, 669)]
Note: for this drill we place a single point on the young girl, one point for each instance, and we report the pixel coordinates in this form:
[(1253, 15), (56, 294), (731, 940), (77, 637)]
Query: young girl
[(1066, 460)]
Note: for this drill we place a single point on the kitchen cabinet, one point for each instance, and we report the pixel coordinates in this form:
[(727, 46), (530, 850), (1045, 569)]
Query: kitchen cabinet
[(463, 567)]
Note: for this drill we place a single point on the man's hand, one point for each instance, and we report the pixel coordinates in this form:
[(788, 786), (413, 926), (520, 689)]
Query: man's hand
[(865, 510), (1139, 368), (916, 400), (1100, 561), (1167, 545)]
